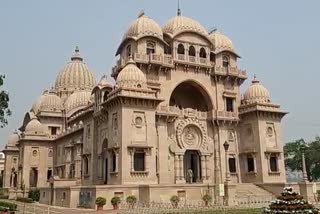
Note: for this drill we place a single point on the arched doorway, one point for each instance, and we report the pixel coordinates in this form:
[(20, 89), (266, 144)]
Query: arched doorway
[(192, 163), (189, 94), (105, 160)]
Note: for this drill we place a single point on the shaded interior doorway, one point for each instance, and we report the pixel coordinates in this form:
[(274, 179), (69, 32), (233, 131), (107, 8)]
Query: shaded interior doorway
[(192, 161)]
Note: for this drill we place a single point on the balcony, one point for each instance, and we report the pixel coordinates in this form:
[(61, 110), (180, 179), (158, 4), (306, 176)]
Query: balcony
[(230, 71), (159, 59), (193, 60), (226, 115)]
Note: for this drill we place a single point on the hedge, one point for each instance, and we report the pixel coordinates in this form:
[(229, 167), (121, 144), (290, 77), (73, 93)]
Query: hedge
[(34, 194), (26, 200), (10, 206)]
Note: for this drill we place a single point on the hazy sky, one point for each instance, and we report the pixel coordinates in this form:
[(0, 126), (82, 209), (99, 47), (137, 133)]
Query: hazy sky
[(278, 41)]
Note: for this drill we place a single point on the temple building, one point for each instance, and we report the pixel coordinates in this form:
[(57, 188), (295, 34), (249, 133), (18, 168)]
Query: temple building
[(174, 123)]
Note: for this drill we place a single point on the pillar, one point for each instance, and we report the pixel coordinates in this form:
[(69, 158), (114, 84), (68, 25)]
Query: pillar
[(203, 167)]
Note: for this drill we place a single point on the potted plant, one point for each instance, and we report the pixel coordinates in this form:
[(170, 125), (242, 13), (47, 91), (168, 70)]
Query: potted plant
[(207, 199), (175, 201), (100, 202), (131, 200), (115, 201)]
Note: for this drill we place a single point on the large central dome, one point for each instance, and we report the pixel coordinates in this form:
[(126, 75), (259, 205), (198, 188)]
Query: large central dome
[(75, 75), (180, 24)]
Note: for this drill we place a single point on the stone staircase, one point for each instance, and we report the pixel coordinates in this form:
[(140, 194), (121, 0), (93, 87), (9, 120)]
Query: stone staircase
[(248, 194)]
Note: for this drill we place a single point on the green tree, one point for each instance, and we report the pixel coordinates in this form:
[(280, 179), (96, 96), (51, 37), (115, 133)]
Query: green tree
[(293, 157), (4, 104)]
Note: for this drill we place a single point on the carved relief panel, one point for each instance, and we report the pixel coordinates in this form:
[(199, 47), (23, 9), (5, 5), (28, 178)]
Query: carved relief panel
[(271, 140), (35, 156), (247, 137), (139, 127)]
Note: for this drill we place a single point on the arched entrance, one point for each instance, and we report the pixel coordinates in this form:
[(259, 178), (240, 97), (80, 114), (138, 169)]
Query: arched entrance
[(190, 94), (192, 166)]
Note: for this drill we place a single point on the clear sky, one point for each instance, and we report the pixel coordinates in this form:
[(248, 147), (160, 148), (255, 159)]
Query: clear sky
[(278, 41)]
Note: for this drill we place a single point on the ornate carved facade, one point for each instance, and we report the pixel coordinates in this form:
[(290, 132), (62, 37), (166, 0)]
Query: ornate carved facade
[(175, 104)]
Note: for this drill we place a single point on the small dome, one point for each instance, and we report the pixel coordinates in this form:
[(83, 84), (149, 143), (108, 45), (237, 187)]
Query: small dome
[(13, 138), (131, 76), (51, 102), (256, 93), (104, 82), (36, 105), (48, 101), (220, 42), (75, 75), (34, 127), (180, 24), (143, 26), (77, 101)]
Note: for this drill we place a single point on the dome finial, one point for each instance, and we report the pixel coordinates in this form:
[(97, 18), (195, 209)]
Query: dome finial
[(179, 10), (76, 56), (255, 80), (131, 61), (142, 13)]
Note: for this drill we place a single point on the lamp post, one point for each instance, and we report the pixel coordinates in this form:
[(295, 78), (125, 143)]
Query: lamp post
[(226, 148), (304, 169)]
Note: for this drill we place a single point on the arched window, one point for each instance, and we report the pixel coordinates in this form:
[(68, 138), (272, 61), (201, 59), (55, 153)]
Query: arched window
[(225, 61), (167, 50), (180, 49), (192, 51), (114, 162), (273, 161), (203, 53), (128, 50), (151, 47), (212, 57), (86, 165)]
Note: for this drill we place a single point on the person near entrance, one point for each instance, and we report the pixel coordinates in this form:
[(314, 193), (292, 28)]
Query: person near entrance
[(190, 175)]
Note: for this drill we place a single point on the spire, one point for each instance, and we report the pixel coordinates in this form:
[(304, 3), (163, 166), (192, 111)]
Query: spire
[(179, 10), (76, 56)]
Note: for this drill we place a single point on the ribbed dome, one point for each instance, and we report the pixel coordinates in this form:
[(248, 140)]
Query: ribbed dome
[(179, 24), (256, 93), (76, 101), (13, 139), (75, 75), (220, 41), (143, 26), (131, 76), (34, 127), (48, 101)]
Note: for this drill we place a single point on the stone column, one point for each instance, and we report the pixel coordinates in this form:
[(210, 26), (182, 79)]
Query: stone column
[(176, 167), (132, 161), (203, 167), (304, 168), (207, 167), (117, 161)]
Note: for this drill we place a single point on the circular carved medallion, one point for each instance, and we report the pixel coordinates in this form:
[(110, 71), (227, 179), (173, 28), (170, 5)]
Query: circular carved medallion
[(191, 135)]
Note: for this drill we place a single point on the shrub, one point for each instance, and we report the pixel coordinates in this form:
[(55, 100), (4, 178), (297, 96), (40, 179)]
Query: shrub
[(174, 200), (101, 201), (207, 198), (9, 205), (25, 200), (131, 199), (34, 194), (115, 200)]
